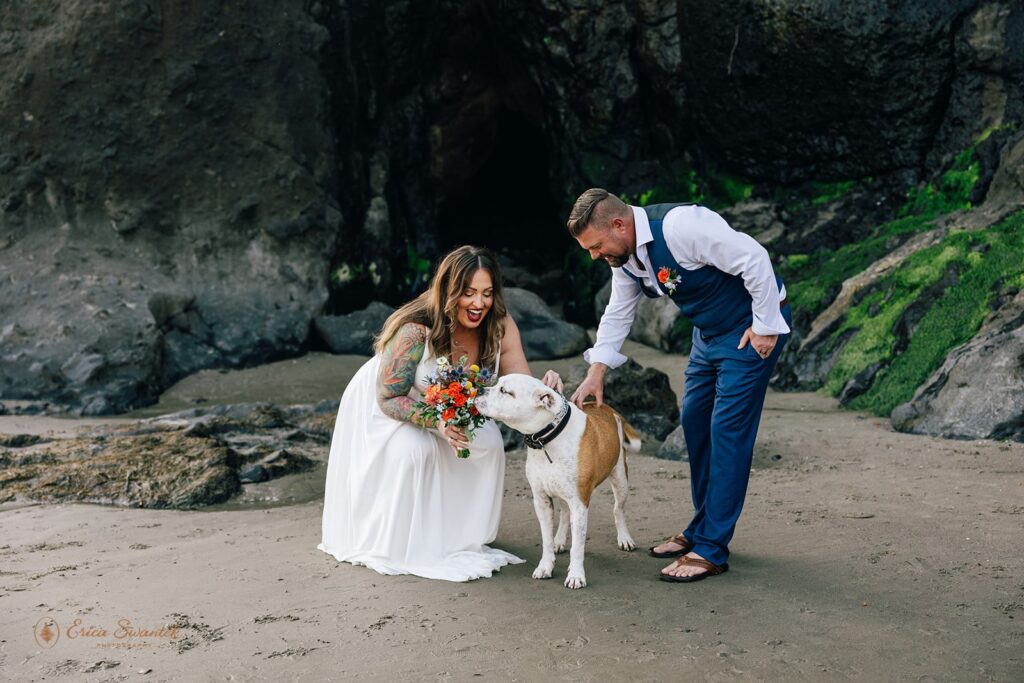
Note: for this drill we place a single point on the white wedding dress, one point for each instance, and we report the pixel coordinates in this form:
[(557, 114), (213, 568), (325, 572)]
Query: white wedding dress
[(398, 499)]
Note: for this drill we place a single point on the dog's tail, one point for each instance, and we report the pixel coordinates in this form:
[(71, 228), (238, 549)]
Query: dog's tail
[(631, 437)]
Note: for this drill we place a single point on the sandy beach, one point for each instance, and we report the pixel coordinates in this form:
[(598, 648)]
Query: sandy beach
[(862, 554)]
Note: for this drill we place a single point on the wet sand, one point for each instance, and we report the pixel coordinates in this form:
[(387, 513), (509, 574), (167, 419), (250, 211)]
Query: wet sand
[(862, 554)]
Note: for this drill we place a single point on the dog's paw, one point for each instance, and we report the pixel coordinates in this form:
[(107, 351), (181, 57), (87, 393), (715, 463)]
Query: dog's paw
[(627, 544), (559, 547), (575, 581), (542, 572)]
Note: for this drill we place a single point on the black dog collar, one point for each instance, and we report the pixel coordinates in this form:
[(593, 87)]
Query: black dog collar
[(540, 439)]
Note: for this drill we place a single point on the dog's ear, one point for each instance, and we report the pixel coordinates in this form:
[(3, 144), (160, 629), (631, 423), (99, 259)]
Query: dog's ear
[(545, 398)]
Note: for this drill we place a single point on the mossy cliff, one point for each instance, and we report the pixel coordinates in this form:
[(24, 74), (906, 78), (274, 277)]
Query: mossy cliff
[(883, 314)]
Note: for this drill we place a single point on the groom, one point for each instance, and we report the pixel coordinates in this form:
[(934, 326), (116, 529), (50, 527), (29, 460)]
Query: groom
[(723, 281)]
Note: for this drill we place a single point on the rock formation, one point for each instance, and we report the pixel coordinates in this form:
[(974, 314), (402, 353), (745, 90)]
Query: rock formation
[(190, 186), (183, 460), (168, 194)]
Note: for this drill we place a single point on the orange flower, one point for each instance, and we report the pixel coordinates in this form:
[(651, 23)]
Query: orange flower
[(663, 275), (472, 392), (455, 388), (448, 414), (431, 394), (459, 400)]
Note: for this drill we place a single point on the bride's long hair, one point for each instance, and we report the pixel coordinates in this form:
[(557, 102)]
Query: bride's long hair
[(437, 307)]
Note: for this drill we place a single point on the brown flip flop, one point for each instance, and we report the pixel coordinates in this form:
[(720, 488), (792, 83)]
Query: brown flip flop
[(678, 538), (712, 570)]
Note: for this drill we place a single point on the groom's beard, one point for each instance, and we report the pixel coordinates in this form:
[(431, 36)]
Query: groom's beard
[(617, 261)]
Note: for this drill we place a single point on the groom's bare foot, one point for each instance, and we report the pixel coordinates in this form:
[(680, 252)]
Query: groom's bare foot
[(688, 570)]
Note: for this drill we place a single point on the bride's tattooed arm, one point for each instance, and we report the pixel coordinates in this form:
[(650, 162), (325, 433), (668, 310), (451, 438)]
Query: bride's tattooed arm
[(398, 373)]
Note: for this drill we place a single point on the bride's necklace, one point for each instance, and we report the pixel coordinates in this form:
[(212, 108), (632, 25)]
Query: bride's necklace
[(459, 344)]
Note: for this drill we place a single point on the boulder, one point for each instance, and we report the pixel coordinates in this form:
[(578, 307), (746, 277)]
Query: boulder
[(549, 338), (352, 333), (544, 336), (658, 322), (642, 395), (674, 447), (522, 302), (859, 383), (546, 284), (277, 464), (160, 470), (182, 460), (978, 392)]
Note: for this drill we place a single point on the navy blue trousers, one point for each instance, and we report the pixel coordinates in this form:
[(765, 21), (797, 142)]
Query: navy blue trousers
[(724, 395)]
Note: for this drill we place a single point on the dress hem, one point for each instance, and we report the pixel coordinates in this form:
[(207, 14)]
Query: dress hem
[(484, 564)]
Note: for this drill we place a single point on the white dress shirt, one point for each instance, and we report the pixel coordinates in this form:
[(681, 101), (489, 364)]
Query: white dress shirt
[(696, 237)]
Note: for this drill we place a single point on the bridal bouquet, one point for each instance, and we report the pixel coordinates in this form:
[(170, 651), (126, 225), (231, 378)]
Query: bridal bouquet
[(451, 394)]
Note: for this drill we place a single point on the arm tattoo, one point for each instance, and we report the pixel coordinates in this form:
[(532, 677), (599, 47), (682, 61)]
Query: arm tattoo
[(398, 373)]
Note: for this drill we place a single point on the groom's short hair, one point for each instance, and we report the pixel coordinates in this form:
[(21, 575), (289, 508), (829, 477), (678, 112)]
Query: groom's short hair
[(594, 207)]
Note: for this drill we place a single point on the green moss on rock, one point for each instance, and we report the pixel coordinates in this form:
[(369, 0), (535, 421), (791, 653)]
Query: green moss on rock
[(950, 192), (988, 257), (875, 317), (724, 189), (812, 280), (829, 192), (714, 189)]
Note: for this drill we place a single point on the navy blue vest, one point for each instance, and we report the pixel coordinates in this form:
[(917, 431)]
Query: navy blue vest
[(715, 301)]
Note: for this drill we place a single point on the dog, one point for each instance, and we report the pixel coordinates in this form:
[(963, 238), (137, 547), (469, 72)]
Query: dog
[(569, 453)]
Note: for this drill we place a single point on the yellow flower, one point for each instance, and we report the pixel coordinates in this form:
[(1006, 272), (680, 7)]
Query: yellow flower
[(474, 368), (469, 385)]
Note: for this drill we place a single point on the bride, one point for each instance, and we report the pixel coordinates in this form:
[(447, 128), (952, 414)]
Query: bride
[(398, 499)]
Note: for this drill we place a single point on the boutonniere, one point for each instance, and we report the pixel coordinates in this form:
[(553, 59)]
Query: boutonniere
[(669, 279)]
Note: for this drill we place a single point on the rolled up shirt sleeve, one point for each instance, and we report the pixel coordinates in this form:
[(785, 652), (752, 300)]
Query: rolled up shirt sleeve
[(698, 236), (615, 321)]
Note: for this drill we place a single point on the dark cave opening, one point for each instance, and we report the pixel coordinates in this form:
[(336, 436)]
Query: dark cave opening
[(507, 205)]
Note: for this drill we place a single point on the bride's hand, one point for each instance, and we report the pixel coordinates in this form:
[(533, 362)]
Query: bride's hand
[(455, 437), (553, 380)]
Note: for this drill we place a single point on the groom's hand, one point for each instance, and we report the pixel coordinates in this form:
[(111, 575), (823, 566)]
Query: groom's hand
[(592, 385), (763, 344)]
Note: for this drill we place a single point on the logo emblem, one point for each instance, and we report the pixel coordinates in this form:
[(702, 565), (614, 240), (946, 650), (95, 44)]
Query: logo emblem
[(46, 632)]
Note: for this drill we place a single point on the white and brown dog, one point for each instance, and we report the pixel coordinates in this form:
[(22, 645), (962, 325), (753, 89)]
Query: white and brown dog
[(570, 452)]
